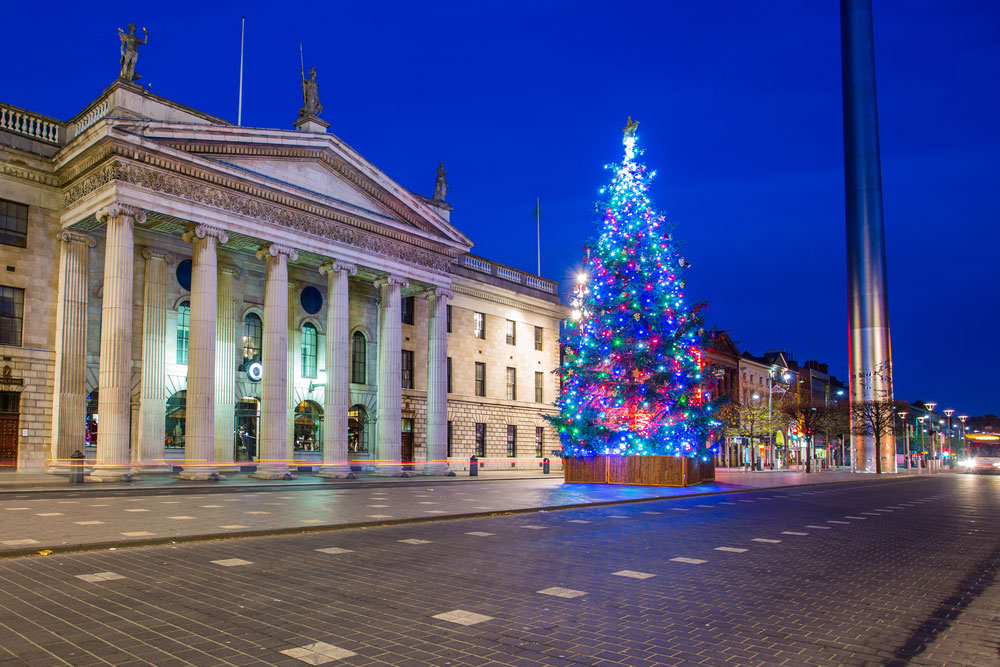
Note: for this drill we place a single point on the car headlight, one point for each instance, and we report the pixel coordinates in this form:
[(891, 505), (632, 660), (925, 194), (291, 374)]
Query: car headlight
[(968, 463)]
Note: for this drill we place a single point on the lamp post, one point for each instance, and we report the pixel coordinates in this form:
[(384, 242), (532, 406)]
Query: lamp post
[(906, 437), (930, 421), (948, 414), (965, 448)]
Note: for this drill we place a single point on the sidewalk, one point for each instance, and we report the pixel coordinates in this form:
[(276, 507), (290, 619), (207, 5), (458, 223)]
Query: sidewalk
[(74, 519)]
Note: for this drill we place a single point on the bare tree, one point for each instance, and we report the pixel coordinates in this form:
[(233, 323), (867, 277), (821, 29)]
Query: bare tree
[(875, 419), (810, 418), (745, 415)]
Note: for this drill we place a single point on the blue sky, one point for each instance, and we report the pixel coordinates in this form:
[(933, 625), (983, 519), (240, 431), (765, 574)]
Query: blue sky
[(740, 112)]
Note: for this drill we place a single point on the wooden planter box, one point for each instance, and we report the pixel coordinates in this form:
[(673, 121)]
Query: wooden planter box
[(653, 470)]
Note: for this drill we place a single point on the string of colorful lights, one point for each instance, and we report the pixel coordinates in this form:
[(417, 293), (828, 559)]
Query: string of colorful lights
[(632, 370)]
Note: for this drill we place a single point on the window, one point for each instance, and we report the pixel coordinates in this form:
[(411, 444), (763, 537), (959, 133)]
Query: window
[(183, 274), (13, 223), (511, 384), (539, 433), (479, 325), (449, 375), (449, 438), (539, 379), (511, 440), (538, 338), (11, 315), (359, 350), (253, 331), (511, 332), (357, 433), (480, 378), (448, 317), (480, 439), (406, 371), (311, 299), (406, 309), (183, 331), (309, 339)]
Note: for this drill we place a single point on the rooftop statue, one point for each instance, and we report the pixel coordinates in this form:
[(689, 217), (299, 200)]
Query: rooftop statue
[(130, 51), (441, 186), (310, 95)]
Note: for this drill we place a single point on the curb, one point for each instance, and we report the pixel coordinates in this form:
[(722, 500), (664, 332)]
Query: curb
[(301, 530)]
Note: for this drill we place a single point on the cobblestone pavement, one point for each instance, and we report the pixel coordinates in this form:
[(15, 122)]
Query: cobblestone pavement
[(866, 573), (68, 518)]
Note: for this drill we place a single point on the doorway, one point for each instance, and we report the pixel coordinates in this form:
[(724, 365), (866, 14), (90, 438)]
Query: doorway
[(245, 442), (406, 444), (10, 403)]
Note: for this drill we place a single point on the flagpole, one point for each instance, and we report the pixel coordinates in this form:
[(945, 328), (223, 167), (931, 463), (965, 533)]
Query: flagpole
[(538, 231), (239, 112)]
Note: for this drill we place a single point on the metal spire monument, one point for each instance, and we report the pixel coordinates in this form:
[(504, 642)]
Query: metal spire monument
[(868, 292)]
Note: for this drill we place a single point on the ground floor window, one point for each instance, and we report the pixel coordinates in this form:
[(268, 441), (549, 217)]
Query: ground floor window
[(539, 435), (449, 437), (308, 427), (480, 439), (176, 422), (511, 440), (91, 435)]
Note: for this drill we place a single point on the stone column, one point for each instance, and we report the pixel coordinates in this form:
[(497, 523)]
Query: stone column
[(226, 360), (273, 435), (116, 344), (437, 381), (291, 403), (338, 357), (69, 401), (153, 402), (390, 392), (199, 436)]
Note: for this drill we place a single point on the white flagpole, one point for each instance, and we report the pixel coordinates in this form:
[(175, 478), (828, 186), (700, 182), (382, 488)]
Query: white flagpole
[(538, 231), (239, 113)]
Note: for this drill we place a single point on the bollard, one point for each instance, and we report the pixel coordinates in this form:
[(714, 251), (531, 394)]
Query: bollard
[(545, 466), (473, 466), (76, 469)]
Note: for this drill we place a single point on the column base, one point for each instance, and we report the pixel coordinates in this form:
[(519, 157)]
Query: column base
[(111, 475), (437, 469), (200, 475), (389, 470), (333, 472), (152, 470), (273, 474)]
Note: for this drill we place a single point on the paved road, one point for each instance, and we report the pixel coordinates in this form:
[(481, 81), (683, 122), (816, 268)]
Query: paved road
[(867, 573), (63, 519)]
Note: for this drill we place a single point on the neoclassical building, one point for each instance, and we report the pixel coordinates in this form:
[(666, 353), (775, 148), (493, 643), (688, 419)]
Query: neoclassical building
[(182, 292)]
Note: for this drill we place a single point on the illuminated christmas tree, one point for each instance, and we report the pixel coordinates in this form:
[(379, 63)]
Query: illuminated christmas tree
[(632, 370)]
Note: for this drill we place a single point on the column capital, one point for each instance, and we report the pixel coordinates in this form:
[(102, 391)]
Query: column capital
[(116, 210), (438, 292), (391, 279), (202, 231), (335, 265), (149, 252), (73, 236), (230, 268), (275, 249)]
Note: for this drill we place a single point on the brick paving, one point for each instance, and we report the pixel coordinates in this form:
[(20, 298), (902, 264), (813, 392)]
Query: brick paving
[(913, 585)]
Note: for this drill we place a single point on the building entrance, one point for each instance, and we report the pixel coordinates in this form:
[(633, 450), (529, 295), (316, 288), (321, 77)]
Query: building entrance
[(406, 444), (9, 420), (247, 415)]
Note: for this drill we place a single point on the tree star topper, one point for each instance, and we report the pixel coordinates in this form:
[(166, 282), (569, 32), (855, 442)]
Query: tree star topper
[(631, 127)]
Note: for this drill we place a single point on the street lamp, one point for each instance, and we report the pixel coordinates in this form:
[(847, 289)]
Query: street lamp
[(965, 450), (906, 436), (930, 428), (948, 414)]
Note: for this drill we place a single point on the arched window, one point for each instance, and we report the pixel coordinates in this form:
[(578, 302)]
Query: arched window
[(359, 351), (183, 331), (253, 331), (308, 427), (357, 431), (308, 350)]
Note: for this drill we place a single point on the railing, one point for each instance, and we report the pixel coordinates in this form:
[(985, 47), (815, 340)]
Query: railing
[(507, 273), (91, 117), (28, 124)]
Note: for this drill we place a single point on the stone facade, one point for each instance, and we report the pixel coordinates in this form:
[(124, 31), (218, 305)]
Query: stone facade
[(162, 243)]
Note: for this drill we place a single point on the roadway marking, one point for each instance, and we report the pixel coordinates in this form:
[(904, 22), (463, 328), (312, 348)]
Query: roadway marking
[(533, 527), (232, 562), (87, 523), (318, 653), (233, 526), (857, 518), (843, 523), (414, 540), (180, 518), (792, 532), (334, 550), (479, 533), (99, 576), (379, 516), (652, 512), (560, 592), (579, 521), (689, 561), (17, 543), (735, 550), (819, 527), (632, 574), (462, 617), (50, 514), (764, 539), (136, 510), (138, 533)]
